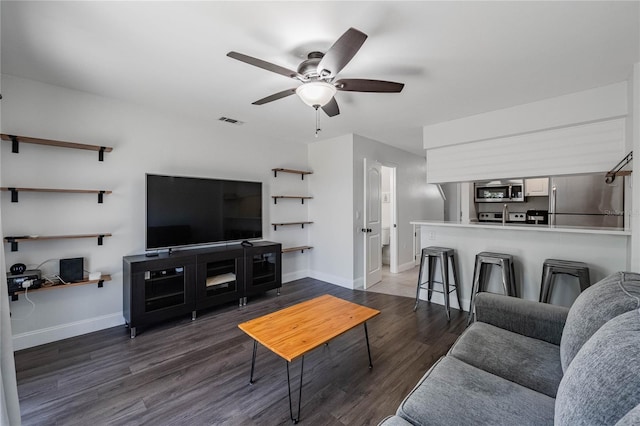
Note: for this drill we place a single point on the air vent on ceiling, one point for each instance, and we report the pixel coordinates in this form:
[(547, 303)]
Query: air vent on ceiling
[(231, 120)]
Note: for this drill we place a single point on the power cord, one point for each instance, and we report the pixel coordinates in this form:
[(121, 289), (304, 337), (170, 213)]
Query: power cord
[(46, 261), (25, 285)]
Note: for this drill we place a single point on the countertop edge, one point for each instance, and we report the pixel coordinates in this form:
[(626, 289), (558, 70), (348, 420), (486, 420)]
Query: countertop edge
[(535, 228)]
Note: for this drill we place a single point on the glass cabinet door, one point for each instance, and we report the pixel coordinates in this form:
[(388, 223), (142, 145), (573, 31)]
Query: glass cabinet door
[(220, 278), (164, 288), (263, 268)]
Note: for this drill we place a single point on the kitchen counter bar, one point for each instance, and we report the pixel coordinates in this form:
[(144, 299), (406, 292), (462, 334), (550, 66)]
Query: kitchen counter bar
[(525, 227), (605, 250)]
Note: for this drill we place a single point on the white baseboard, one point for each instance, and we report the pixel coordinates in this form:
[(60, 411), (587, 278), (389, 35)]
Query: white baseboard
[(64, 331), (358, 284), (406, 266), (296, 275), (439, 299), (332, 279)]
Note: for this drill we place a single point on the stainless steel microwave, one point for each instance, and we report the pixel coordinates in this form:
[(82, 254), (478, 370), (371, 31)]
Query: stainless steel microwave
[(499, 191)]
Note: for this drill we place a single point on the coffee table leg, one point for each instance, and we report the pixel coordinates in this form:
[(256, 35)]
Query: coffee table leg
[(253, 360), (366, 335), (295, 419)]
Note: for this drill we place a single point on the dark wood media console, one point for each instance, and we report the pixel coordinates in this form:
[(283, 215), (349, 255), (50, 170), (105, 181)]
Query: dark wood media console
[(168, 285)]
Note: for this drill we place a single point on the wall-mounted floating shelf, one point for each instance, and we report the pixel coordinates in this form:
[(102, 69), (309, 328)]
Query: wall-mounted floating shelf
[(14, 192), (16, 140), (297, 197), (298, 172), (15, 240), (275, 225), (100, 283), (300, 249)]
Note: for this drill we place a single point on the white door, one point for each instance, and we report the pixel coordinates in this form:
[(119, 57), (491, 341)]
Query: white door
[(372, 223)]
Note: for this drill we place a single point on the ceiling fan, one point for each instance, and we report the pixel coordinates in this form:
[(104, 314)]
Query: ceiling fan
[(317, 74)]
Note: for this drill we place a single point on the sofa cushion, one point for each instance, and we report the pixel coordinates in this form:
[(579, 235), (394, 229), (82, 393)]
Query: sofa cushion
[(455, 393), (594, 307), (529, 362), (602, 382)]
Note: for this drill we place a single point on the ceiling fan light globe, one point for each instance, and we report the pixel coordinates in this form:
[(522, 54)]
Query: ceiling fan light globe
[(316, 93)]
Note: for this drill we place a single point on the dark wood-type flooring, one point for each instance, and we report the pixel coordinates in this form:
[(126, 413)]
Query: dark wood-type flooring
[(197, 372)]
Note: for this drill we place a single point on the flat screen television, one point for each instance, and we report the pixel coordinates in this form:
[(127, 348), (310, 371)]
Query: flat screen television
[(188, 211)]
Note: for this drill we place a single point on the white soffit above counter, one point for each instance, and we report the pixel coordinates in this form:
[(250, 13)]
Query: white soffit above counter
[(576, 108), (586, 148)]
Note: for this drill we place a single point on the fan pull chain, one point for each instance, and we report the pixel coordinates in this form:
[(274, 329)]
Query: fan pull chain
[(317, 121)]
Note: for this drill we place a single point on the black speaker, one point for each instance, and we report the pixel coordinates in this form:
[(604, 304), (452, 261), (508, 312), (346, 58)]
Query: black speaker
[(72, 270)]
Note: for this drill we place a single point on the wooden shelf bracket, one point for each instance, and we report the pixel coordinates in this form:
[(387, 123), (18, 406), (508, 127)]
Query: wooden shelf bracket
[(14, 240), (100, 282), (301, 249), (14, 192), (15, 144), (14, 195), (300, 197), (275, 225), (298, 172)]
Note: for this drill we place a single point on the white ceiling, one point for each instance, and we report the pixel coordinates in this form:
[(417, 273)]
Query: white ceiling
[(455, 58)]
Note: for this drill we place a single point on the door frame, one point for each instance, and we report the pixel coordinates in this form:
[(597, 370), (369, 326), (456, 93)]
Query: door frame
[(393, 230), (365, 219)]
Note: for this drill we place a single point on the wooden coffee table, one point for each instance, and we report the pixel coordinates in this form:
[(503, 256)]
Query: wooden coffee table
[(294, 331)]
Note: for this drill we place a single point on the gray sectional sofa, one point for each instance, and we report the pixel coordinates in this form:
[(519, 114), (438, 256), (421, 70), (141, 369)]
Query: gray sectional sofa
[(529, 363)]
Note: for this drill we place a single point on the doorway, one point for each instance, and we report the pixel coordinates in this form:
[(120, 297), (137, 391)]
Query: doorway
[(389, 245), (380, 224)]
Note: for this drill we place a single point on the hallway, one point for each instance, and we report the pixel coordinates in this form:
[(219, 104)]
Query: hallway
[(401, 284)]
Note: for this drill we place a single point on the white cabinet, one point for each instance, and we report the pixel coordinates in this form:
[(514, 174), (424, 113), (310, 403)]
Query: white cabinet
[(538, 187)]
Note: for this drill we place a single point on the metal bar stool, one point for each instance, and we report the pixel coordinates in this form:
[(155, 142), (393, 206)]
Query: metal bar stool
[(481, 275), (446, 256), (551, 267)]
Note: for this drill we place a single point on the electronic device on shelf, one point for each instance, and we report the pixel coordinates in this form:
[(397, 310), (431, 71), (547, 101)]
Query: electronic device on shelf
[(14, 281), (72, 270), (187, 211), (18, 268)]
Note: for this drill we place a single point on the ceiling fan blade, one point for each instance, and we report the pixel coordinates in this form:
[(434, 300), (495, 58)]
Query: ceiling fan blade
[(263, 64), (364, 85), (341, 52), (275, 97), (331, 108)]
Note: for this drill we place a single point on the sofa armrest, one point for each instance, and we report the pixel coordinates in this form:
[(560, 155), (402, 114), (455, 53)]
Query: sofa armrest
[(532, 319)]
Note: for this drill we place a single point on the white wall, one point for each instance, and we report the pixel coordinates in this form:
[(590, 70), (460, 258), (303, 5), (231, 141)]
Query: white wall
[(144, 140), (581, 107), (585, 148), (581, 132), (331, 210), (633, 144), (415, 199), (337, 185)]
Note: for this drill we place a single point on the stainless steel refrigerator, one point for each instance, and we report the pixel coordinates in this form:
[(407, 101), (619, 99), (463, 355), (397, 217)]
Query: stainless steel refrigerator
[(586, 200)]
